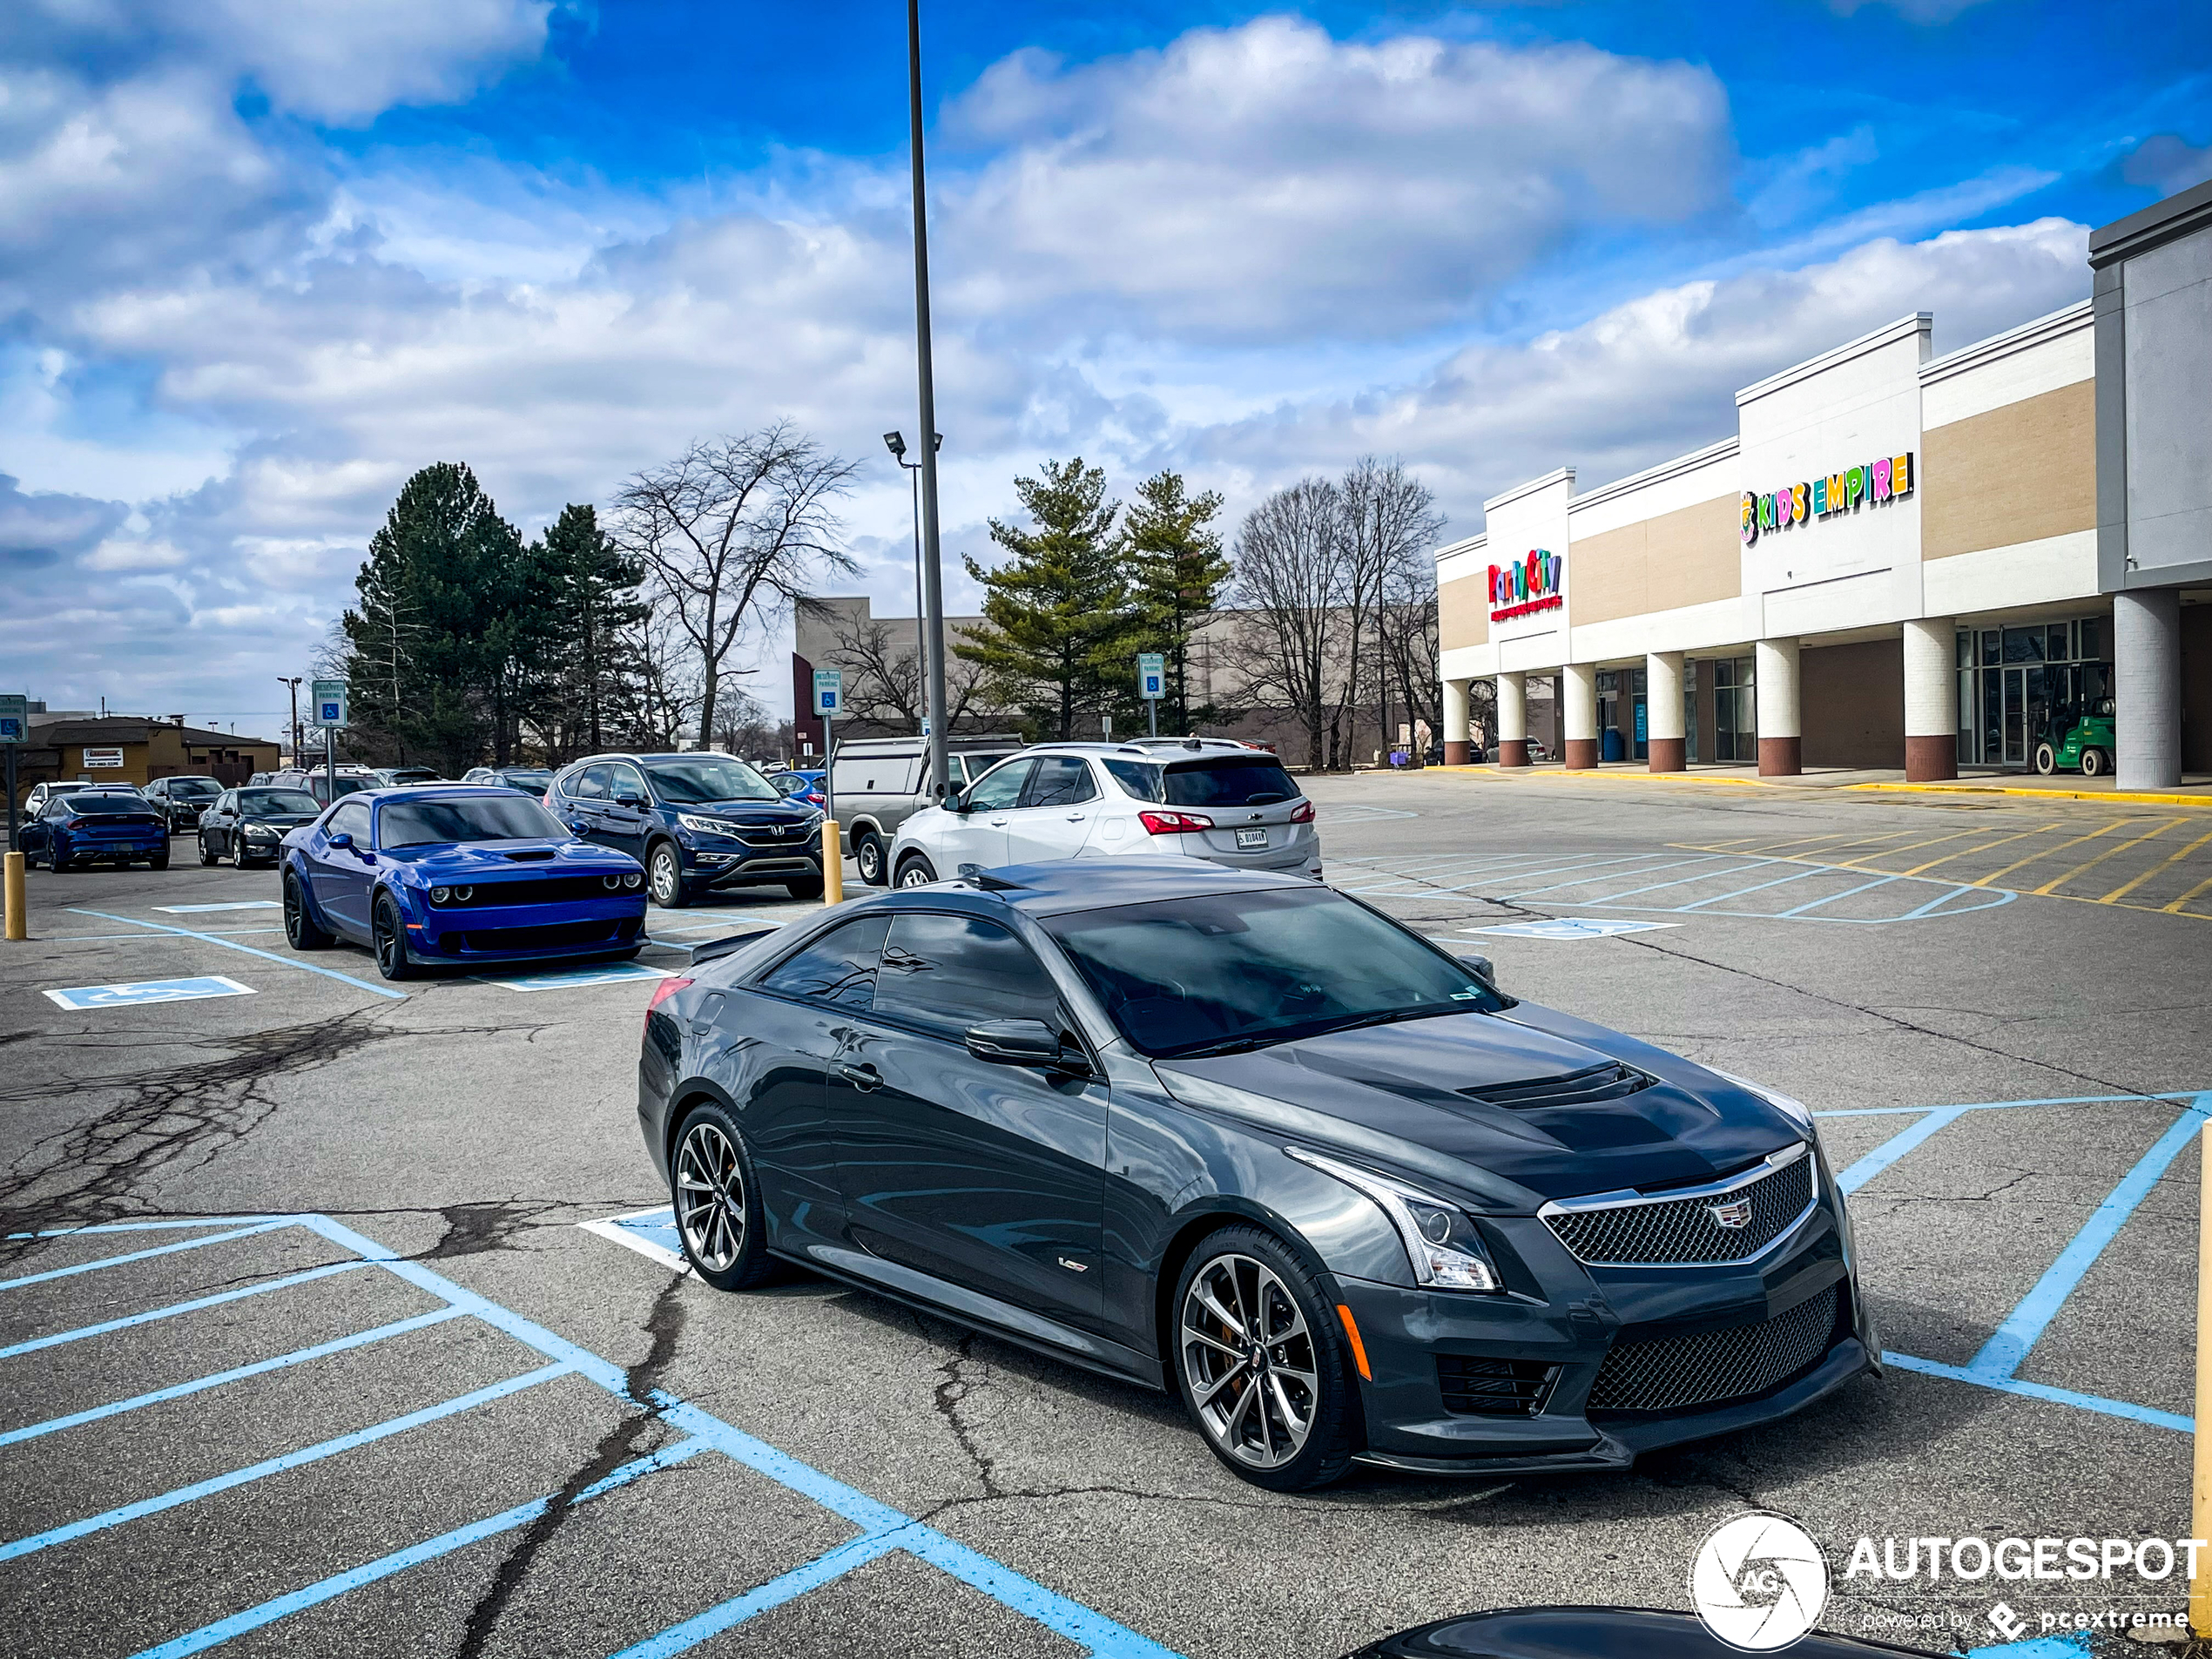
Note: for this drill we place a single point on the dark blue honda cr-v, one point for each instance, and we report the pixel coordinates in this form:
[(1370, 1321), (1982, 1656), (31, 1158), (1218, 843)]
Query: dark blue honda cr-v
[(695, 821)]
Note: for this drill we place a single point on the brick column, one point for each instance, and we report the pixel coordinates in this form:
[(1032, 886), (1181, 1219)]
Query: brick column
[(1664, 737), (1512, 720), (1780, 717), (1578, 685), (1457, 750), (1931, 700)]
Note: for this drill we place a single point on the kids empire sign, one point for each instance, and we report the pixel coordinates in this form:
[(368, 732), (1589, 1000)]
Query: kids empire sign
[(1888, 478), (1531, 584)]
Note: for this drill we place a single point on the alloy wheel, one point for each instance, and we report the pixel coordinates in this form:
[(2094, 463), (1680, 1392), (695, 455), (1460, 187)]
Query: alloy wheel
[(667, 876), (916, 874), (710, 1198), (1249, 1360)]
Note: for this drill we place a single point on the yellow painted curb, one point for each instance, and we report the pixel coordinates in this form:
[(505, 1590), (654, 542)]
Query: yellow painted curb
[(1608, 774), (2138, 798)]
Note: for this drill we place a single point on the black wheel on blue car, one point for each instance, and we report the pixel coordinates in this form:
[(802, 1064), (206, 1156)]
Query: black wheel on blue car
[(300, 930), (1263, 1364), (388, 933), (664, 877), (717, 1201)]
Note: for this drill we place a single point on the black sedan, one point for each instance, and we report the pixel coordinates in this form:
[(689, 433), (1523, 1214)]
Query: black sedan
[(247, 826), (1244, 1138)]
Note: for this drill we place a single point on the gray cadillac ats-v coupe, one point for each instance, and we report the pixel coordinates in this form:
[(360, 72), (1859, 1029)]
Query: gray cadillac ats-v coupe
[(1247, 1139)]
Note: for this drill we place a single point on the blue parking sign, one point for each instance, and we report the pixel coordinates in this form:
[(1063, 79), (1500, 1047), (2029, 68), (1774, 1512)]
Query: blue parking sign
[(148, 991)]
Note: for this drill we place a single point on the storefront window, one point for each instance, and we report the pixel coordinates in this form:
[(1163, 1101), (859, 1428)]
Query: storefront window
[(2018, 686), (1734, 712)]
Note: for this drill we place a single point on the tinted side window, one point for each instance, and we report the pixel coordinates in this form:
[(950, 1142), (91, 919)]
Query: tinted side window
[(947, 973), (839, 967), (1000, 789), (625, 780), (1138, 779), (591, 784), (1059, 781), (351, 818)]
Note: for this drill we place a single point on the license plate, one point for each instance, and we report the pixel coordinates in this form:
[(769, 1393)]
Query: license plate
[(1252, 837)]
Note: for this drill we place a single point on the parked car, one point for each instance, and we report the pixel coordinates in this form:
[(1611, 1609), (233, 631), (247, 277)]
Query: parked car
[(1103, 801), (248, 825), (183, 799), (531, 780), (882, 782), (320, 784), (34, 802), (400, 777), (447, 873), (88, 827), (1359, 1203), (803, 786), (1538, 750), (699, 822), (1161, 745)]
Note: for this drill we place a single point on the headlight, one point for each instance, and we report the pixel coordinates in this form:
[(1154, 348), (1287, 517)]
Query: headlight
[(260, 832), (1796, 1110), (633, 881), (450, 895), (699, 826), (612, 883), (440, 895), (1445, 1252)]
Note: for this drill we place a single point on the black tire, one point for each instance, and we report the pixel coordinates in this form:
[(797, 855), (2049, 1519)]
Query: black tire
[(2095, 763), (2047, 759), (60, 863), (664, 876), (387, 937), (207, 857), (160, 860), (868, 856), (301, 930), (718, 1214), (915, 870), (1247, 1424), (804, 886)]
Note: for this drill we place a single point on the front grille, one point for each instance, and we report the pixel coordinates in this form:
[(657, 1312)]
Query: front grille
[(1715, 1366), (1671, 1232), (1608, 1081), (1477, 1386), (546, 938), (552, 889)]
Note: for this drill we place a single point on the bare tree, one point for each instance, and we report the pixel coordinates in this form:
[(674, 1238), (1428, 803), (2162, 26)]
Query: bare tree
[(729, 532), (883, 681), (1390, 524), (1290, 558), (659, 696)]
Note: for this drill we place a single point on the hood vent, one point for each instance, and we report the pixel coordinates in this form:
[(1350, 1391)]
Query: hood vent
[(1611, 1081), (535, 855)]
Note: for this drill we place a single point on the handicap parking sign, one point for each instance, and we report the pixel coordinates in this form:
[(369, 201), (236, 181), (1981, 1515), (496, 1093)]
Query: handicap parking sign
[(148, 991)]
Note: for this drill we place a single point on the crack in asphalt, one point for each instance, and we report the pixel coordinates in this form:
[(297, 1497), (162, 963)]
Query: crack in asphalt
[(950, 1395), (664, 1325)]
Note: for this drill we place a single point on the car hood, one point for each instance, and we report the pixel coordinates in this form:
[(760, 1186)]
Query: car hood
[(447, 863), (1405, 1095), (752, 812), (279, 820)]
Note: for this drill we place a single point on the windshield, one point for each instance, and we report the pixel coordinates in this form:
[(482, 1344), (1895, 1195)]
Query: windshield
[(1227, 781), (481, 817), (530, 782), (687, 779), (277, 800), (107, 805), (194, 786), (1238, 970)]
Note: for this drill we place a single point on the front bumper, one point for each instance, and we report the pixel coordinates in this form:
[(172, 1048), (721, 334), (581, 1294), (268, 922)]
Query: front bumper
[(737, 866), (1542, 1355), (525, 933)]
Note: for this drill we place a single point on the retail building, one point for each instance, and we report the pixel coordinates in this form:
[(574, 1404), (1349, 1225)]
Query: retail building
[(1898, 561)]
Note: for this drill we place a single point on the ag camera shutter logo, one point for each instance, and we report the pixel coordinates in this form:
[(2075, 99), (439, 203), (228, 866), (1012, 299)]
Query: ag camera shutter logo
[(1759, 1582)]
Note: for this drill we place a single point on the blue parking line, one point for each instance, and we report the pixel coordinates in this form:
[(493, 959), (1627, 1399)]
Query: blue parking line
[(222, 1630), (2006, 1105), (141, 1255), (251, 950), (2043, 1392), (2002, 1354), (279, 1465), (148, 1226), (704, 1627), (176, 1308), (1650, 869), (237, 1373), (1897, 1146), (1833, 869), (1761, 886)]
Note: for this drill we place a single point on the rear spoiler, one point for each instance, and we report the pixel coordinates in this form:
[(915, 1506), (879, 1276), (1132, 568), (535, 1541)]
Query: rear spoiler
[(747, 934)]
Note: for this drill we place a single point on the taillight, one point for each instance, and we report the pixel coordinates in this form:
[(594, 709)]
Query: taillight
[(1173, 823), (1303, 812), (662, 992)]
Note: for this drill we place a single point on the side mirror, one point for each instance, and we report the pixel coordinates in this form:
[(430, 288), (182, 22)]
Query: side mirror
[(1481, 967), (342, 840), (957, 802), (636, 803), (1016, 1042)]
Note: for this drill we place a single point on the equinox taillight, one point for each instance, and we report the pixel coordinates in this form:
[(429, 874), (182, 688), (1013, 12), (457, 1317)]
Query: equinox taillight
[(1173, 823), (1303, 812)]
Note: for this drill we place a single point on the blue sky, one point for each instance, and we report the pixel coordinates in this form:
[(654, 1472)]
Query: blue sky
[(256, 268)]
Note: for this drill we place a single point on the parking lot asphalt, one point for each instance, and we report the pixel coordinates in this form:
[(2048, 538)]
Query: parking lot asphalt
[(348, 1377)]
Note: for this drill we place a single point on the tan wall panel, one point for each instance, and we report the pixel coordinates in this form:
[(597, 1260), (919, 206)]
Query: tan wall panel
[(1463, 612), (2017, 474), (1697, 555), (1852, 700), (1607, 573)]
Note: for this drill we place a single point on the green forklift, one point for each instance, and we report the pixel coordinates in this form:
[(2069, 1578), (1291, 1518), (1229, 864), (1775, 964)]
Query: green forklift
[(2077, 730)]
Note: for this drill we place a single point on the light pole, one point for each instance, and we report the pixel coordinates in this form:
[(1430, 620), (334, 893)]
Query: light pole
[(293, 682), (896, 443), (933, 576)]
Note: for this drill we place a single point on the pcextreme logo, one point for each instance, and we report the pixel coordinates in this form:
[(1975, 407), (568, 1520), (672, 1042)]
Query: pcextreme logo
[(1534, 582), (1759, 1581)]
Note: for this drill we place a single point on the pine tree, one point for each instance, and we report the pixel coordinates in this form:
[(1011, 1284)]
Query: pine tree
[(595, 604), (1059, 609), (1177, 575)]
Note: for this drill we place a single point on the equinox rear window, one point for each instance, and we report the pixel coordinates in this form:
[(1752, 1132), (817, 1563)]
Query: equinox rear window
[(1218, 780)]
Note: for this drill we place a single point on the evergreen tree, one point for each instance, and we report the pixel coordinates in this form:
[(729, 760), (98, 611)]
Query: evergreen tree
[(1059, 609), (1177, 574), (593, 587)]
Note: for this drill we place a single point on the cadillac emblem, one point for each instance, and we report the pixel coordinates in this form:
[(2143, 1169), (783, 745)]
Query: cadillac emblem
[(1733, 1217)]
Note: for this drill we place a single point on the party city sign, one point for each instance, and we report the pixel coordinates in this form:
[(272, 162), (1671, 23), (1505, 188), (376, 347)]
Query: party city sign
[(1535, 582), (1886, 478)]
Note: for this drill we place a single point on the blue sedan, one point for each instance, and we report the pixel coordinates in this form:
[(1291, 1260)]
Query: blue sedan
[(70, 828), (455, 874)]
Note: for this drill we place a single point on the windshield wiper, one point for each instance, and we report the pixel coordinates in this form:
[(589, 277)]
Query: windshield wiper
[(1230, 1045), (1388, 1016)]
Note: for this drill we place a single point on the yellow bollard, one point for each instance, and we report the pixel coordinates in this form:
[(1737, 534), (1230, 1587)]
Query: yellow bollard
[(2200, 1495), (19, 914), (833, 864)]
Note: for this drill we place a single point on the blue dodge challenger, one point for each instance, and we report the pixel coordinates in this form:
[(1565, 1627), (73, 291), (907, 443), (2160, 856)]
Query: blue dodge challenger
[(455, 875)]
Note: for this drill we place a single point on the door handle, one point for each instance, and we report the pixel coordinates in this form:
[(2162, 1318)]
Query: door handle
[(861, 1077), (1075, 818)]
